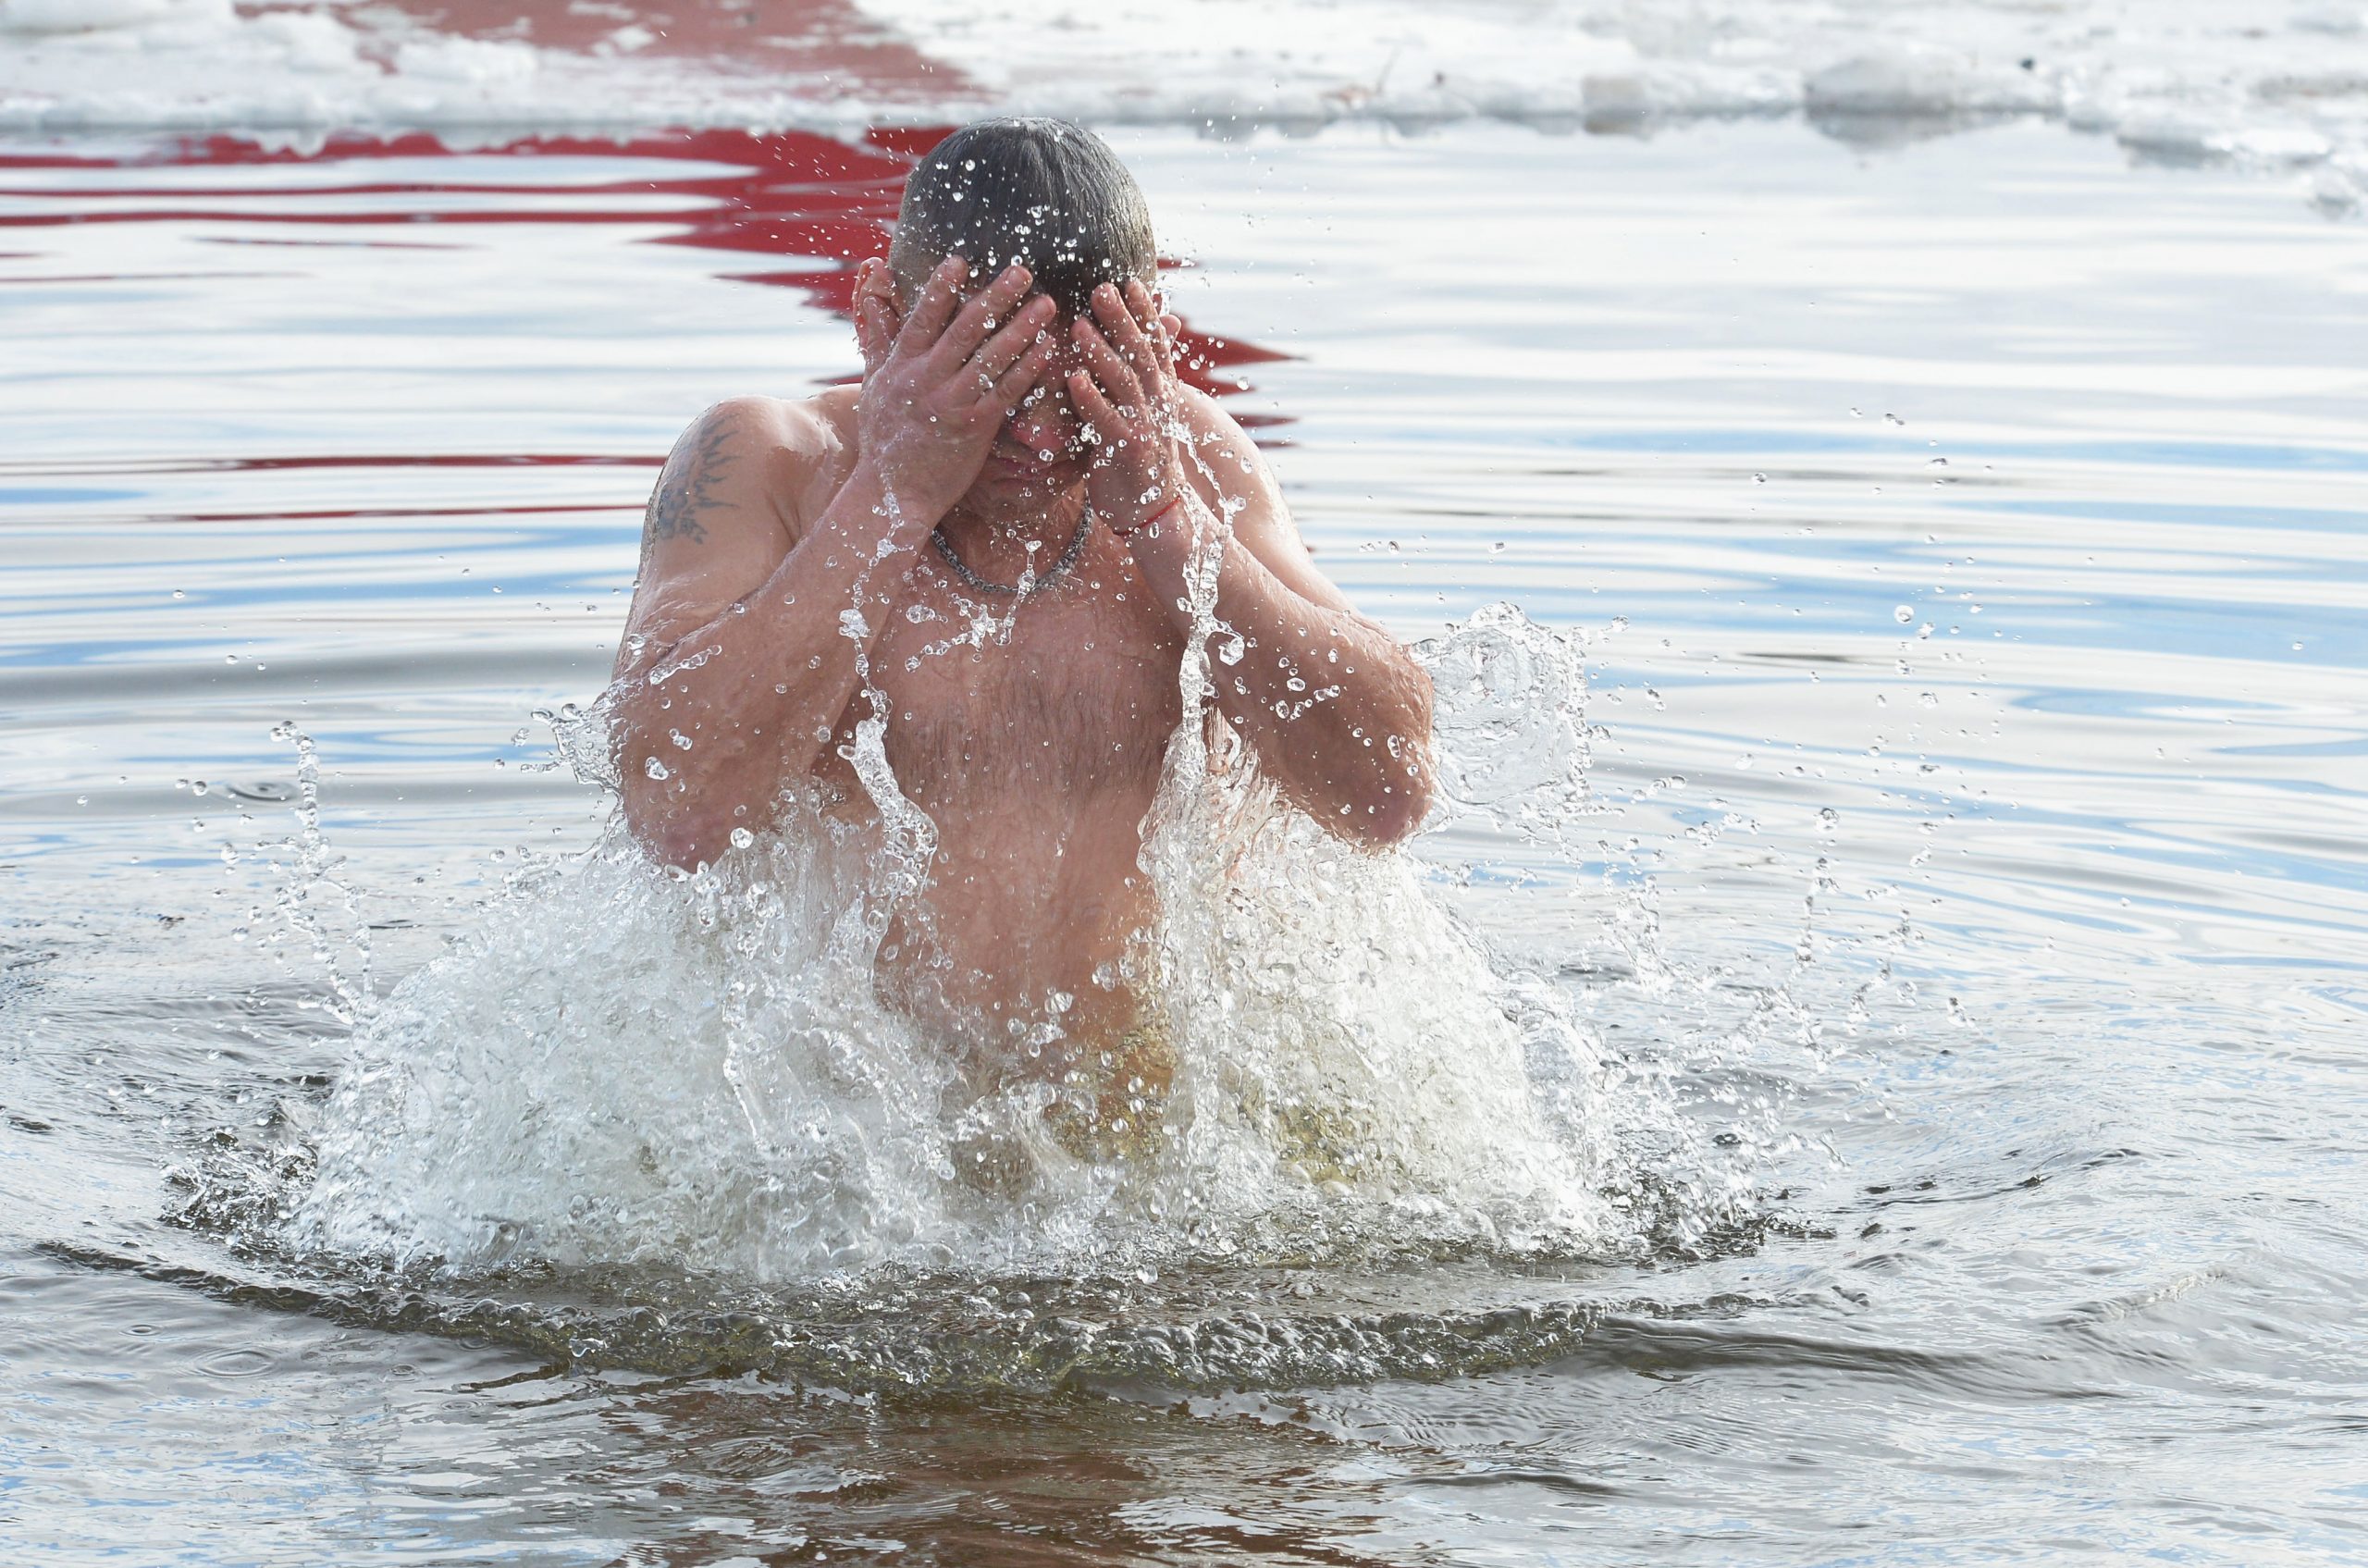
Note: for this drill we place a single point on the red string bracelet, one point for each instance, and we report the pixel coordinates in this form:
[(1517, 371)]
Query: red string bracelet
[(1130, 532)]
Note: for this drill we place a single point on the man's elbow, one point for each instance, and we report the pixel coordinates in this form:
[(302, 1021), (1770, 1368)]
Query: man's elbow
[(1399, 815), (1385, 815), (672, 833), (1403, 805)]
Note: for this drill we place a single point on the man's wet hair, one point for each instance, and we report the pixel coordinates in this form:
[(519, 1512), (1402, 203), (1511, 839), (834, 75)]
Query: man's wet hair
[(1044, 193)]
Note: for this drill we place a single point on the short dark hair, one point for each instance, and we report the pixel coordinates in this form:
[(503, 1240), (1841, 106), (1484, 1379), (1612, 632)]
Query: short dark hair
[(1044, 193)]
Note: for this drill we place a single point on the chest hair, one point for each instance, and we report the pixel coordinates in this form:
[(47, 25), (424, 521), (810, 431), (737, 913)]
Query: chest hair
[(1071, 706)]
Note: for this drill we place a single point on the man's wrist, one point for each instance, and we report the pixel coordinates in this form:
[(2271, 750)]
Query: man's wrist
[(1180, 495), (1151, 524), (906, 514)]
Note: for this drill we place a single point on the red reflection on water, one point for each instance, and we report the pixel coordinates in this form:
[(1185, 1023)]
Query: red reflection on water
[(780, 194), (454, 460), (350, 514), (395, 460)]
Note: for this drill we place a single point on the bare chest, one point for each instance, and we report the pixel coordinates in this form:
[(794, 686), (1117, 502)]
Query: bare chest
[(1048, 706)]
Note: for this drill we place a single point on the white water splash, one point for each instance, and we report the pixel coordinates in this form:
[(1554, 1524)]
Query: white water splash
[(625, 1064)]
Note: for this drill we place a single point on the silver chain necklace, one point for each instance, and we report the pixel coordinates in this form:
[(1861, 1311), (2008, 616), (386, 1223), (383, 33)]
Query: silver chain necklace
[(976, 583)]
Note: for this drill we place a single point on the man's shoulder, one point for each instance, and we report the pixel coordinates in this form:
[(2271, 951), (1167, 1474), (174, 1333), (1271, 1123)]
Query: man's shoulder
[(1208, 417), (1229, 461), (809, 427), (786, 449)]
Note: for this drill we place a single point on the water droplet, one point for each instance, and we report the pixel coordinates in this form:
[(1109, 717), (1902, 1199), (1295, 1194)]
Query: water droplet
[(654, 769), (1903, 614), (177, 594), (742, 838)]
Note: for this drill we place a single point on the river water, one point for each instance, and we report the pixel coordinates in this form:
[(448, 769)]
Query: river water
[(1955, 899)]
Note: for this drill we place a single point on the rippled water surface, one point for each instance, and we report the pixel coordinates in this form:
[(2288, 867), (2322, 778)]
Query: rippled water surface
[(1963, 539)]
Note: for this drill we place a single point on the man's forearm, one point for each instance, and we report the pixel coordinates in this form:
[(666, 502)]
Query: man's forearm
[(1337, 711), (708, 726)]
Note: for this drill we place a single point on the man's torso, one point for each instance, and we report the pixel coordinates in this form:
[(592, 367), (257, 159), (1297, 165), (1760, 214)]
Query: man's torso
[(1033, 734)]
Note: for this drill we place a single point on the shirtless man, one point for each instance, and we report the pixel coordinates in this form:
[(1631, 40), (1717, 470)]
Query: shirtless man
[(1019, 445)]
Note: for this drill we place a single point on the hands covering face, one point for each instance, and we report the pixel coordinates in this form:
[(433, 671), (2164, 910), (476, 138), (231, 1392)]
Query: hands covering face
[(940, 383), (939, 387), (1128, 393)]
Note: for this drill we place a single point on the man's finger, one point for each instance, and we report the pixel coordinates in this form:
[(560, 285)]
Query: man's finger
[(1115, 376), (874, 330), (990, 305), (1145, 309), (1020, 377), (1158, 325), (1126, 333), (935, 306), (1001, 351), (1096, 408), (879, 321)]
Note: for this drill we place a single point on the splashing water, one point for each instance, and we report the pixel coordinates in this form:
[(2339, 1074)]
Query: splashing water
[(313, 900), (693, 1077), (665, 1119), (625, 1065)]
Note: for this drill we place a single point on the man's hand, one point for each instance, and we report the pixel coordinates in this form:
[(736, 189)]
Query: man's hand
[(1128, 393), (938, 388), (1337, 713)]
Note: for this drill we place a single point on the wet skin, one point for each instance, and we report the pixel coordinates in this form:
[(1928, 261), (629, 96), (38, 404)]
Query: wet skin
[(1034, 746)]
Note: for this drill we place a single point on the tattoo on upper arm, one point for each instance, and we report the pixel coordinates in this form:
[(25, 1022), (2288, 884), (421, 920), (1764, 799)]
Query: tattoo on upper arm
[(686, 486)]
